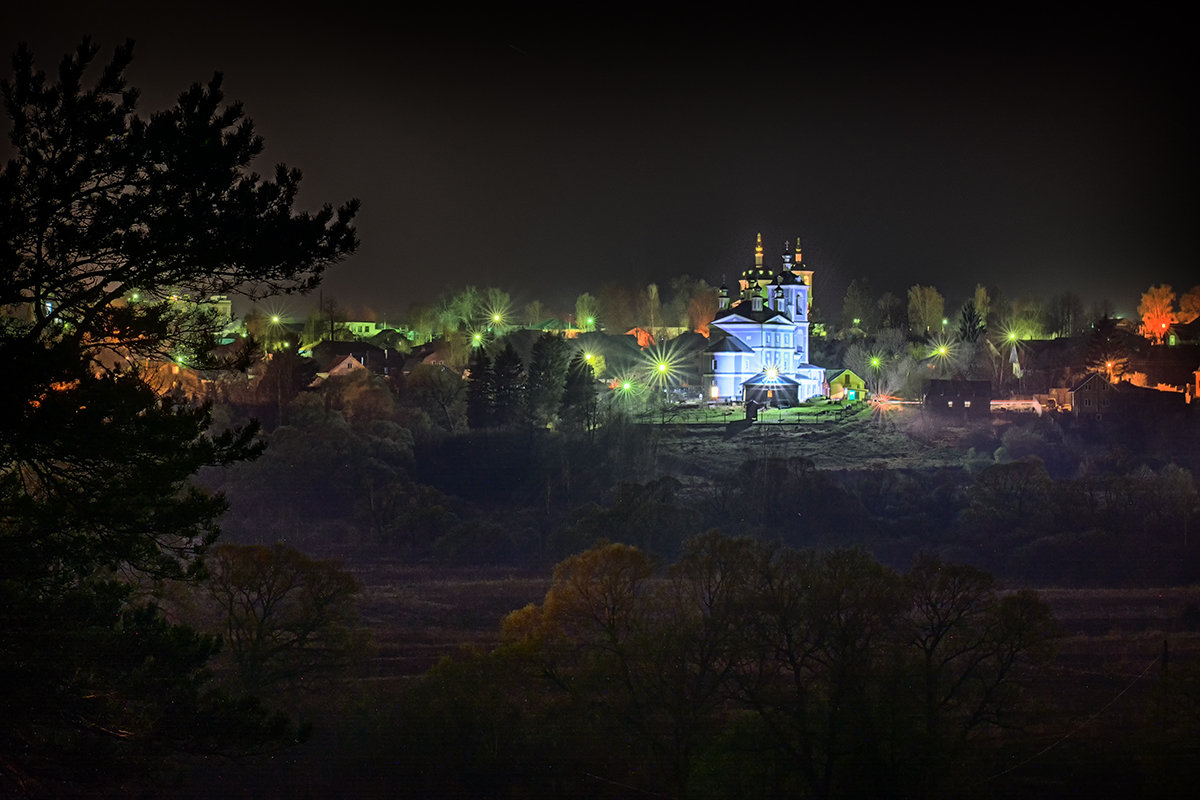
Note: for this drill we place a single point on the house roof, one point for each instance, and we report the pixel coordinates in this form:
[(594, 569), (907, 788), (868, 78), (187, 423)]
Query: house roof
[(1187, 331), (551, 324), (1092, 377), (327, 353), (840, 373), (1173, 365), (944, 387), (345, 363)]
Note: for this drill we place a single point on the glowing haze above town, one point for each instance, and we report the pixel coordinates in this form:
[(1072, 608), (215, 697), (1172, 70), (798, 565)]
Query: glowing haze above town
[(547, 154)]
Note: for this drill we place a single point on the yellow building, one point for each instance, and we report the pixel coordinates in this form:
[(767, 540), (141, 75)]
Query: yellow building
[(845, 385)]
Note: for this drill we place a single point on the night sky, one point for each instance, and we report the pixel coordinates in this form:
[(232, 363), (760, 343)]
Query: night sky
[(549, 154)]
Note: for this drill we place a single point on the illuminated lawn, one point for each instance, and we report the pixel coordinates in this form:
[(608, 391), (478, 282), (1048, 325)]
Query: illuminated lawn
[(807, 413), (696, 444)]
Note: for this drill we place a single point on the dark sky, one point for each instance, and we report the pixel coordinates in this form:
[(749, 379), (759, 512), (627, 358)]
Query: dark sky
[(547, 154)]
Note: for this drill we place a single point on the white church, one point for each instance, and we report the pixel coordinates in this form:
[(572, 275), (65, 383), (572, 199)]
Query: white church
[(758, 344)]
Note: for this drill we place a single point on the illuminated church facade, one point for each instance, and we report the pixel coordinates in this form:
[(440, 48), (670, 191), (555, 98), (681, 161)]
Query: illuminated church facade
[(758, 341)]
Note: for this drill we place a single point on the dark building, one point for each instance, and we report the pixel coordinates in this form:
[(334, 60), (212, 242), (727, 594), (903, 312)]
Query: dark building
[(958, 399)]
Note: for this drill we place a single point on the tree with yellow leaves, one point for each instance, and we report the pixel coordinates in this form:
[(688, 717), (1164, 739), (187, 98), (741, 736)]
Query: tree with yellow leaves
[(1157, 311)]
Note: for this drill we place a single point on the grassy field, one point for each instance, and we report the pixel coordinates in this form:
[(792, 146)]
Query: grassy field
[(419, 613), (860, 436), (807, 413)]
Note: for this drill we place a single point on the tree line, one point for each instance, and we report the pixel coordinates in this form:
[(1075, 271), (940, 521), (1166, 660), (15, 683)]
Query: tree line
[(745, 668)]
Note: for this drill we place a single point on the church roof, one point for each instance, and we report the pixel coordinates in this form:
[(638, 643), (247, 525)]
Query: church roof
[(729, 344), (745, 309)]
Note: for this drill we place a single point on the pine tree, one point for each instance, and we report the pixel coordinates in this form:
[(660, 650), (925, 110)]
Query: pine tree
[(481, 392), (107, 220), (547, 375), (511, 408), (579, 395), (100, 204), (970, 323)]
